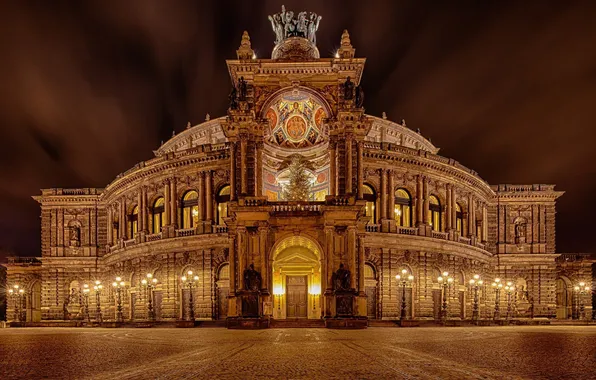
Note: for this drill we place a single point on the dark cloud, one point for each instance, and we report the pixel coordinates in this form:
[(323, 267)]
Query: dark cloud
[(90, 88)]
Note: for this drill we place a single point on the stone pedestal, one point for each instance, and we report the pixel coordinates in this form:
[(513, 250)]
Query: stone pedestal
[(249, 305), (344, 308)]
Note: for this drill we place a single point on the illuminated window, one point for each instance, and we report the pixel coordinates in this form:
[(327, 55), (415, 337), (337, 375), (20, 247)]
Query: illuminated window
[(434, 213), (223, 197), (370, 197), (403, 208), (190, 209), (459, 219), (157, 215), (133, 223)]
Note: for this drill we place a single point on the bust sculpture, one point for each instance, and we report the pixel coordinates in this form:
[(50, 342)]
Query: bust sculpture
[(252, 279)]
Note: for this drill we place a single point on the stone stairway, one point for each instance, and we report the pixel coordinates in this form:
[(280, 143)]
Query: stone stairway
[(297, 323)]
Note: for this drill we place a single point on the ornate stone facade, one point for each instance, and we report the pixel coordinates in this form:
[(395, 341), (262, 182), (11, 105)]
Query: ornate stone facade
[(208, 202)]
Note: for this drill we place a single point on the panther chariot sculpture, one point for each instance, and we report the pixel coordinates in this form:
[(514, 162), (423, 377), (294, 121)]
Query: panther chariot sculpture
[(295, 35)]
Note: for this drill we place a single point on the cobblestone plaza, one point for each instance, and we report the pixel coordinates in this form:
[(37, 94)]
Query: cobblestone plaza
[(537, 352)]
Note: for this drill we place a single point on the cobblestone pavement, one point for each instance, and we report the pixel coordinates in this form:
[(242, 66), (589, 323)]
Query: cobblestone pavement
[(549, 352)]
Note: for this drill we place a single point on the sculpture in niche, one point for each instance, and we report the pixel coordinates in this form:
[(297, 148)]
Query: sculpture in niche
[(75, 236), (348, 89), (233, 99), (359, 97), (252, 279), (520, 231), (243, 89), (341, 279)]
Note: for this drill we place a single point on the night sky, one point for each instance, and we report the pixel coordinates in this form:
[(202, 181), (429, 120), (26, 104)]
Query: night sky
[(90, 88)]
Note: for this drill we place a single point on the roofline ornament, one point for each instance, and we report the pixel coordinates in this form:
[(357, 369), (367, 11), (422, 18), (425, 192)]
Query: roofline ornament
[(285, 25)]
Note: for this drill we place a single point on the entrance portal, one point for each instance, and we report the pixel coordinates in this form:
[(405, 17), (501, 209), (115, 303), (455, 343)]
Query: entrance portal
[(296, 293), (296, 278)]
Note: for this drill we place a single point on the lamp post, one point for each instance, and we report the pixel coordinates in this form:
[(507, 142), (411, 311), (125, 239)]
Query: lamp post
[(580, 290), (149, 283), (445, 281), (86, 298), (98, 287), (16, 292), (509, 288), (475, 284), (497, 286), (189, 283), (403, 279), (119, 285)]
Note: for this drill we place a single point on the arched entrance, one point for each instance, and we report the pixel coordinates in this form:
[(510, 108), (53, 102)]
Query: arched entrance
[(296, 266), (34, 303), (564, 298)]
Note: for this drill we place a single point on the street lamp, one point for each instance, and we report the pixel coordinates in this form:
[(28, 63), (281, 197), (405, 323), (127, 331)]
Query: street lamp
[(16, 293), (119, 285), (149, 283), (509, 288), (86, 297), (445, 281), (497, 285), (475, 284), (315, 291), (580, 290), (189, 283), (98, 287), (403, 279)]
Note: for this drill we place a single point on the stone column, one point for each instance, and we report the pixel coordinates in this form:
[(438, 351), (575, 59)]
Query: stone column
[(349, 164), (123, 229), (232, 171), (471, 220), (329, 241), (232, 258), (453, 209), (242, 252), (419, 201), (484, 223), (361, 263), (243, 170), (352, 254), (425, 200), (360, 163), (167, 201), (141, 214), (448, 219), (201, 199), (259, 169), (263, 231), (173, 201), (147, 208), (391, 195), (383, 190), (333, 167), (110, 229), (209, 194)]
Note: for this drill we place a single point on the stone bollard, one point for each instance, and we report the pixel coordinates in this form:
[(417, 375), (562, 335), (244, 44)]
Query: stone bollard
[(2, 324)]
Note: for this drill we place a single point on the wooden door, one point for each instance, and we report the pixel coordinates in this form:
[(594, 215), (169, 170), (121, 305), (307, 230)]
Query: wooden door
[(297, 297), (157, 301), (222, 299), (437, 303), (133, 300), (371, 301)]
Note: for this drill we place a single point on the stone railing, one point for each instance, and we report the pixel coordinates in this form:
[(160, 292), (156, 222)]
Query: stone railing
[(185, 232), (440, 235), (373, 227), (220, 229), (153, 237), (296, 207), (129, 242), (24, 260), (407, 230), (481, 245), (463, 239)]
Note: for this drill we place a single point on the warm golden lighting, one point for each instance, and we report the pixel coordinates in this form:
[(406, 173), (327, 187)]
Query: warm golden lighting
[(315, 289), (278, 290), (149, 275), (183, 278), (445, 274)]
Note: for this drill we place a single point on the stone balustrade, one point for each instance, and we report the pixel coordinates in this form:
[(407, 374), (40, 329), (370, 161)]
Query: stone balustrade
[(185, 232)]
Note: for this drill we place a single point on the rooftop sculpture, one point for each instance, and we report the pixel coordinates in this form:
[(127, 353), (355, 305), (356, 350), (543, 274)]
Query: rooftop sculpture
[(304, 25)]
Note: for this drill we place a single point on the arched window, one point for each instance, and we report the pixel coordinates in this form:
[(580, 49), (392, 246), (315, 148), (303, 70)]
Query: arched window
[(459, 219), (190, 209), (223, 197), (157, 215), (434, 213), (370, 197), (133, 223), (403, 208)]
